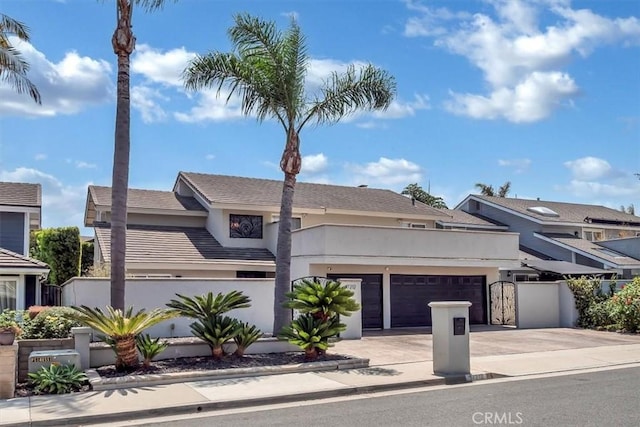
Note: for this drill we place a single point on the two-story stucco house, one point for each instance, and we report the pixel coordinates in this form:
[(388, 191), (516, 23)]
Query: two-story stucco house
[(20, 212), (553, 234), (405, 252)]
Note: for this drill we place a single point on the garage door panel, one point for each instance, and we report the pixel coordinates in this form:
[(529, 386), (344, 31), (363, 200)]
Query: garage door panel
[(371, 289), (410, 295)]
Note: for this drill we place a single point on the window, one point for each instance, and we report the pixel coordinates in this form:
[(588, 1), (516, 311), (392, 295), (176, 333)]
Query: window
[(8, 293), (593, 236), (296, 221), (414, 224), (245, 226)]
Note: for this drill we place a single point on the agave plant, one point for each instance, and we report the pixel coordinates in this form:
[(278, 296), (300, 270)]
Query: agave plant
[(248, 335), (149, 348), (322, 300), (206, 306), (122, 328), (312, 334), (216, 331)]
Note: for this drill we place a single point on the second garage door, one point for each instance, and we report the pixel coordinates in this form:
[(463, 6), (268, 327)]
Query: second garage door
[(410, 295)]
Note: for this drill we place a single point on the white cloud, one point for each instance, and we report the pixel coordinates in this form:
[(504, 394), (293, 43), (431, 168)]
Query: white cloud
[(388, 172), (399, 109), (212, 107), (161, 67), (84, 165), (591, 189), (519, 165), (62, 204), (144, 99), (292, 15), (521, 62), (210, 157), (588, 168), (66, 87), (314, 163), (40, 156)]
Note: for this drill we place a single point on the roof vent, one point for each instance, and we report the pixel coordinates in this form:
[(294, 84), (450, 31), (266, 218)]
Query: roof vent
[(362, 186), (544, 211)]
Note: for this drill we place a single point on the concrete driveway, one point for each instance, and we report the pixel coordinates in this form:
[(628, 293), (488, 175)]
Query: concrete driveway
[(414, 345)]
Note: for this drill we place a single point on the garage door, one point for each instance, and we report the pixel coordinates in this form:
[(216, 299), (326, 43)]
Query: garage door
[(410, 295), (371, 289)]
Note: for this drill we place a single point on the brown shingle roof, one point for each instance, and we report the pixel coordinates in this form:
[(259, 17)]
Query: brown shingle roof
[(567, 212), (164, 244), (592, 248), (464, 218), (9, 259), (266, 192), (20, 194), (149, 199)]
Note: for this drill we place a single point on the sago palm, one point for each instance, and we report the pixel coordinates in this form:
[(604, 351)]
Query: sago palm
[(13, 68), (322, 300), (205, 306), (267, 69), (122, 328)]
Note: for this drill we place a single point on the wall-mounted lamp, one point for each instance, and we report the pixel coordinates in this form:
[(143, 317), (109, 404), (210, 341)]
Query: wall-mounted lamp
[(328, 268), (509, 273), (386, 269)]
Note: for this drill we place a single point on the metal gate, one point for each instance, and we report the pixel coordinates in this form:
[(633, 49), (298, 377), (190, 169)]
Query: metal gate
[(503, 303)]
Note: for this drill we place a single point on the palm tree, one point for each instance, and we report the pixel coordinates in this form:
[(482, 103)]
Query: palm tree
[(267, 69), (416, 192), (121, 328), (123, 42), (13, 68), (488, 190)]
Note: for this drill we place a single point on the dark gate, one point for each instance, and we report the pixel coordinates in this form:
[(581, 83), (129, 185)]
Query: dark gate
[(503, 303)]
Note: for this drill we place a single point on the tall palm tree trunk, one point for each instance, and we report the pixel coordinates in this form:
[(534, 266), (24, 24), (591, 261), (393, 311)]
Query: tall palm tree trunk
[(290, 164), (123, 42)]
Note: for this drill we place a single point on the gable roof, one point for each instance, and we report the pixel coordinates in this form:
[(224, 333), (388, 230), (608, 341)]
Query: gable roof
[(591, 250), (266, 192), (567, 212), (140, 199), (15, 261), (166, 244), (20, 194)]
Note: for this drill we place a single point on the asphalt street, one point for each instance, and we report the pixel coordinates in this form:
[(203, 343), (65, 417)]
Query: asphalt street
[(603, 398)]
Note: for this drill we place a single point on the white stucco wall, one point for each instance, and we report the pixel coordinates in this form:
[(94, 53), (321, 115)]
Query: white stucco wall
[(153, 293), (537, 305)]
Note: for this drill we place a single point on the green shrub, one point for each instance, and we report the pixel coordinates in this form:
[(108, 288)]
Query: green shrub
[(599, 314), (247, 335), (149, 348), (51, 323), (216, 331), (60, 249), (586, 292), (625, 306), (322, 299), (86, 258), (57, 379), (311, 334)]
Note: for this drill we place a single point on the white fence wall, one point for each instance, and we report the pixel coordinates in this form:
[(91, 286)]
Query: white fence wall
[(549, 304), (154, 293)]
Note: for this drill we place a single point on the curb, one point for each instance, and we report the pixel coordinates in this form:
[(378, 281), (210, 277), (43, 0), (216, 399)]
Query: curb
[(99, 383), (196, 408)]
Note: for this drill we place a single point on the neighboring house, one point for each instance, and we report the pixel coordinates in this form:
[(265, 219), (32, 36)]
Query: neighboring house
[(565, 238), (20, 213), (406, 253)]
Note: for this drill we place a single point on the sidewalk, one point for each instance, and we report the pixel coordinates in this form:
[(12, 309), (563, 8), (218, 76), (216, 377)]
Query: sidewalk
[(197, 396)]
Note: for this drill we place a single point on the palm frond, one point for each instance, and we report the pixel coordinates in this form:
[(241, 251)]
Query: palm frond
[(117, 324), (369, 88), (14, 27)]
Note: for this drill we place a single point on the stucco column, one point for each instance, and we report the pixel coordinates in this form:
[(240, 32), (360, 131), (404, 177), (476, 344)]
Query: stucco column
[(353, 322), (8, 370), (82, 339), (450, 334)]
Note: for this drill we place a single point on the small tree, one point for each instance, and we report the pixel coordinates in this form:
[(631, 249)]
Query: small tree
[(60, 249)]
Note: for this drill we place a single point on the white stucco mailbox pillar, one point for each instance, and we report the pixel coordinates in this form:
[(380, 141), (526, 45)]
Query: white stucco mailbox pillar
[(450, 334), (353, 322), (82, 341)]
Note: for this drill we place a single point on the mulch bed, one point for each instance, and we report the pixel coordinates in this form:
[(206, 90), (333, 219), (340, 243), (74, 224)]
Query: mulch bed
[(208, 363), (198, 364)]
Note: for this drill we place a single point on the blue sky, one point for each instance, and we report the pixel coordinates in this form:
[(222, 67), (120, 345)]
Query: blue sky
[(544, 94)]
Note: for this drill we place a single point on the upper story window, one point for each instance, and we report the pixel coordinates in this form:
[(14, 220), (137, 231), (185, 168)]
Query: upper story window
[(245, 226), (593, 235), (296, 221)]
